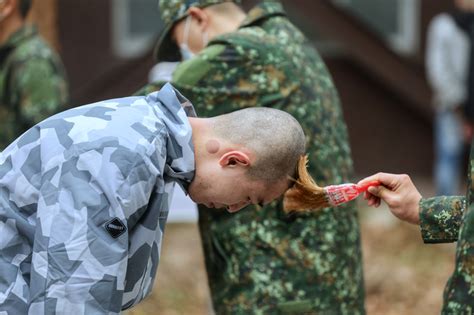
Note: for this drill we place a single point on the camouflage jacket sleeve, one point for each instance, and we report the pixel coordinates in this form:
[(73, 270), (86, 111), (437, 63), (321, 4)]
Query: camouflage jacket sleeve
[(70, 207), (39, 88), (84, 197), (103, 202), (441, 218), (75, 262), (231, 72)]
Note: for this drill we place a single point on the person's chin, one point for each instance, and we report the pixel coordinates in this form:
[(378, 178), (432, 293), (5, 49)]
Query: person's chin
[(194, 199), (210, 205)]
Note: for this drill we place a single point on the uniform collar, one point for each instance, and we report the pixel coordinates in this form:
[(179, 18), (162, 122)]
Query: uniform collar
[(263, 11), (174, 109)]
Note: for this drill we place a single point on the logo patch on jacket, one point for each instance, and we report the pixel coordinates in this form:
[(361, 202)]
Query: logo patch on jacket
[(115, 227)]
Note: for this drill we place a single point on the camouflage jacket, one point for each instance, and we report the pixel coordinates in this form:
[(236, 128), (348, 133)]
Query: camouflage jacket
[(450, 219), (84, 197), (32, 84), (262, 261)]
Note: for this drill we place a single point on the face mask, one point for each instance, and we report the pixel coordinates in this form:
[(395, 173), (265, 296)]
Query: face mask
[(186, 53)]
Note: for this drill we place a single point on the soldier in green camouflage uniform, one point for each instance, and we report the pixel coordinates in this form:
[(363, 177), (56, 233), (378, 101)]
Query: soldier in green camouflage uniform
[(442, 219), (32, 78), (265, 261)]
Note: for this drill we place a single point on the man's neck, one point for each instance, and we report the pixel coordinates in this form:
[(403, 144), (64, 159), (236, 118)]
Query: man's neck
[(8, 27), (198, 126), (201, 133), (231, 25)]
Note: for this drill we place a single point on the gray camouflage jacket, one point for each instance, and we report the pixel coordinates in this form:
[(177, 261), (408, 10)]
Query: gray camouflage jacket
[(84, 197)]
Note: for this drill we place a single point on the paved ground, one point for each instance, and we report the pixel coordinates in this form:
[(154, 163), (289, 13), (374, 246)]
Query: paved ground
[(402, 275)]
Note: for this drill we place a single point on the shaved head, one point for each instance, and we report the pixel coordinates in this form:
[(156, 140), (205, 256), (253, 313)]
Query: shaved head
[(275, 137)]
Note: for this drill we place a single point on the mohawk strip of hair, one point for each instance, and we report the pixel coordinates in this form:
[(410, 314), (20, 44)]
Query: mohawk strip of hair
[(305, 194)]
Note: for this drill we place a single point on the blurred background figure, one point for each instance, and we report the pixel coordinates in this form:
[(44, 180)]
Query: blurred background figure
[(448, 55), (464, 18), (32, 79)]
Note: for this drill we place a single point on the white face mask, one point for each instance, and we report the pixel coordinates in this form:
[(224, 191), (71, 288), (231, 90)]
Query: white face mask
[(186, 53)]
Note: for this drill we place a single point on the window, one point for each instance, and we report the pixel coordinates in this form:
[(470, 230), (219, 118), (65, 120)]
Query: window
[(135, 26), (396, 21)]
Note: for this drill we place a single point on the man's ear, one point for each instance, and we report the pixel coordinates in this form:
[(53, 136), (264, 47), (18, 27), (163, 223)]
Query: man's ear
[(200, 16), (6, 7), (234, 158)]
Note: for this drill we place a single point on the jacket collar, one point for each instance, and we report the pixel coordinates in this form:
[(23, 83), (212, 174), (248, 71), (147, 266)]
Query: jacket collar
[(263, 11), (174, 109)]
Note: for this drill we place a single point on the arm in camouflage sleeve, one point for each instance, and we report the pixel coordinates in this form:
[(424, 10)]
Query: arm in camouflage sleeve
[(232, 75), (441, 218), (39, 88), (225, 73), (77, 266), (191, 72)]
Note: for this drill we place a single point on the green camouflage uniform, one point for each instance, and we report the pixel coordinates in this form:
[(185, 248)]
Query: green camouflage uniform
[(260, 260), (32, 83), (450, 219)]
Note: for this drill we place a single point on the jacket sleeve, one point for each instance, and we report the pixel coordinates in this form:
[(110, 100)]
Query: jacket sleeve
[(441, 218), (81, 239), (230, 73)]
